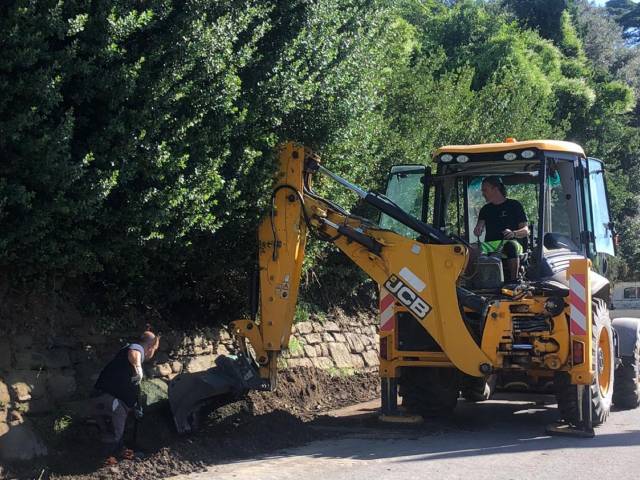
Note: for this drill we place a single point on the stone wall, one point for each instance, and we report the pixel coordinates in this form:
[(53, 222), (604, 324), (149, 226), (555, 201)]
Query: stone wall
[(42, 375), (327, 345)]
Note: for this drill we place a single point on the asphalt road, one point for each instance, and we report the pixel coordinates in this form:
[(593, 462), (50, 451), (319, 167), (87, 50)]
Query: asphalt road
[(498, 439)]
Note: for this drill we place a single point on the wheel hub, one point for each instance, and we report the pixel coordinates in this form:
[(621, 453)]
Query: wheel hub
[(604, 361)]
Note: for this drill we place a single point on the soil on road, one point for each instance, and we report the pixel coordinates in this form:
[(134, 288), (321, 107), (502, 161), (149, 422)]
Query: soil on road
[(262, 422)]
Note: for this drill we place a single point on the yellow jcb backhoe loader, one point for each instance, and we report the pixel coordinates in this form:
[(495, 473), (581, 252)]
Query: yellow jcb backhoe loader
[(449, 322)]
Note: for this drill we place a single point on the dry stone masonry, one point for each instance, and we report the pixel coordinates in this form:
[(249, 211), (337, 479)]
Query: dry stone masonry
[(325, 345), (41, 375)]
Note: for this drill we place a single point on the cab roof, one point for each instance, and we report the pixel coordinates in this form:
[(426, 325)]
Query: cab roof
[(548, 145)]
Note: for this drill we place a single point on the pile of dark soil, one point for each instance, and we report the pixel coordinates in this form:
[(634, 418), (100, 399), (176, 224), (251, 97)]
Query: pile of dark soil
[(305, 392), (260, 423)]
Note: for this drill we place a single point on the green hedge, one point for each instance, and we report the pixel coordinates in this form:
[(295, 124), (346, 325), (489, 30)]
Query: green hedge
[(137, 138)]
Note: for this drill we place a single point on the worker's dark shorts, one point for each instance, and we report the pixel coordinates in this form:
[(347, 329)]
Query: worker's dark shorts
[(111, 415), (511, 249)]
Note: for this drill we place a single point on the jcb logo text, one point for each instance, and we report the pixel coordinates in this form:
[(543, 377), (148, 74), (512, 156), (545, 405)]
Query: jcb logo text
[(407, 297)]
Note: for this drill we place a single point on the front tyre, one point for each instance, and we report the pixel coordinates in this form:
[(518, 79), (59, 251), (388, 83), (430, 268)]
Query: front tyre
[(603, 387)]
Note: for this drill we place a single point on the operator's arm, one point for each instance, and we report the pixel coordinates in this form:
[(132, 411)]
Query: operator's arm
[(521, 232), (479, 228), (482, 220), (523, 225), (135, 359)]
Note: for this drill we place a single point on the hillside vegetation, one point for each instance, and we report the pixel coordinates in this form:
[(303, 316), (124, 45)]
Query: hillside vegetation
[(137, 138)]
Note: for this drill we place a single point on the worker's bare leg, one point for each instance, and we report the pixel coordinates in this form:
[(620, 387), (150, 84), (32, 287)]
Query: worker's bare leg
[(512, 267)]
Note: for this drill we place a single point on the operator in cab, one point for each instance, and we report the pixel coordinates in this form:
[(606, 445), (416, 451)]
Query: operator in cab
[(117, 394), (505, 221)]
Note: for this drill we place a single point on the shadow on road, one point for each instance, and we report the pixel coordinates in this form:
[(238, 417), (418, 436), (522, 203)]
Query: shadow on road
[(488, 428)]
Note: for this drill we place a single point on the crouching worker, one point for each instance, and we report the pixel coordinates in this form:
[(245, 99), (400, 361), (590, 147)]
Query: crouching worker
[(117, 395)]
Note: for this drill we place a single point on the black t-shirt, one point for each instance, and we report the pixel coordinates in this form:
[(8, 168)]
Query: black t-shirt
[(115, 378), (509, 214)]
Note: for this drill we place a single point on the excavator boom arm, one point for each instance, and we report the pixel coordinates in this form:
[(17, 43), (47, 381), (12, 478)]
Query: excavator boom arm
[(421, 276)]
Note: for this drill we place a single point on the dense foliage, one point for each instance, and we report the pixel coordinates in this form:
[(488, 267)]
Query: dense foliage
[(136, 138)]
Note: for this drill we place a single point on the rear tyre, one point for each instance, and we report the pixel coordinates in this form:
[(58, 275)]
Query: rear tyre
[(429, 391), (603, 384), (626, 392)]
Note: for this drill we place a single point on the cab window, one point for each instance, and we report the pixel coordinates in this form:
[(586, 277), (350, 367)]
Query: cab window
[(405, 188), (601, 226)]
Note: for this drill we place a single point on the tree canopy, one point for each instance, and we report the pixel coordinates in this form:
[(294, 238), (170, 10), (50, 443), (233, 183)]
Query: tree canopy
[(137, 138)]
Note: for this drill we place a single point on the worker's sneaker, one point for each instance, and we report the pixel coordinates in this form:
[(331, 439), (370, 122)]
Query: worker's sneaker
[(110, 461), (127, 454)]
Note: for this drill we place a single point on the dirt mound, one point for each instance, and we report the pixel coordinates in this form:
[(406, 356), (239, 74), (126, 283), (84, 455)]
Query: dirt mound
[(304, 392), (261, 422)]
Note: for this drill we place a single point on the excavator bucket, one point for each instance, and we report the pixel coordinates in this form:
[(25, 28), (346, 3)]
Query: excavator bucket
[(189, 393)]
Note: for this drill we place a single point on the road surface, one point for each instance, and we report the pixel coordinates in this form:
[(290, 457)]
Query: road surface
[(498, 439)]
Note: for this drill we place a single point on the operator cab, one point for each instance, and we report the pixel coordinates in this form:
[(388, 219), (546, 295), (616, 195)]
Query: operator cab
[(562, 192)]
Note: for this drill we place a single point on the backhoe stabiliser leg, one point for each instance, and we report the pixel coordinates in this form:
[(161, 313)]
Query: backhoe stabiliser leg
[(389, 412), (586, 411), (585, 427), (389, 394)]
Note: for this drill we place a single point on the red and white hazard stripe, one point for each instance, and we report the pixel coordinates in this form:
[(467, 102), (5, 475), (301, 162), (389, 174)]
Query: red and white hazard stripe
[(387, 311), (578, 303)]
